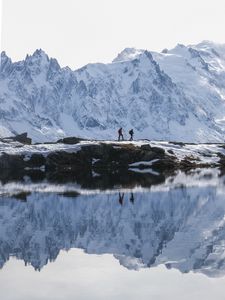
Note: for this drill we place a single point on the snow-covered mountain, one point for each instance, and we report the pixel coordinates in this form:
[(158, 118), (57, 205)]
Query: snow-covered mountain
[(181, 227), (178, 94)]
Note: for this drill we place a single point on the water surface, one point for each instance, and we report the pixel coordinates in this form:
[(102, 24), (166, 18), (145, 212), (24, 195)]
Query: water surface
[(161, 240)]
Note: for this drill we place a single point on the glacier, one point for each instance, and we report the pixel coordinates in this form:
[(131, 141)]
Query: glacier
[(177, 95)]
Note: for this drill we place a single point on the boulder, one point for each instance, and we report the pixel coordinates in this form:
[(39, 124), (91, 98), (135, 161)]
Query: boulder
[(70, 140), (146, 147), (23, 139)]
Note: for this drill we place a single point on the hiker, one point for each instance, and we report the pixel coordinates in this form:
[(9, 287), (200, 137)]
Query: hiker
[(131, 133), (120, 132), (121, 199)]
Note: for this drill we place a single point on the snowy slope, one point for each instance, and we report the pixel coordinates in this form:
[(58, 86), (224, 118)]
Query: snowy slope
[(178, 95)]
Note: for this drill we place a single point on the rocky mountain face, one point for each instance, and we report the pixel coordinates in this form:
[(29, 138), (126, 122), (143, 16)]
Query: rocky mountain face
[(181, 227), (175, 95)]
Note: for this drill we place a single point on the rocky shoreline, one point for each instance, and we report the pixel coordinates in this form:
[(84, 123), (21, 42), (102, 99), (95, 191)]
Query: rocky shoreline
[(76, 158)]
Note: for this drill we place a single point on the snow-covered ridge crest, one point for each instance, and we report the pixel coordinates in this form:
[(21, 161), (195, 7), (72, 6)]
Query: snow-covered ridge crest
[(175, 95), (128, 54)]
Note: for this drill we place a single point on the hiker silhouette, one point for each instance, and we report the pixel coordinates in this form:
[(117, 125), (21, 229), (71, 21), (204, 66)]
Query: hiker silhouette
[(120, 133), (131, 133)]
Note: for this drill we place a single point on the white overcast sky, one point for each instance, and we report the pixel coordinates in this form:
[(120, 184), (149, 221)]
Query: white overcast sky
[(77, 32)]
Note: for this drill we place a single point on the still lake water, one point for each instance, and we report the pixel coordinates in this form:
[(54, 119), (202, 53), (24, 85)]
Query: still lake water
[(162, 241)]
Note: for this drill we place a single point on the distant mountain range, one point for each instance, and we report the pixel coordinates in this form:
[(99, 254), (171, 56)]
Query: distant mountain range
[(177, 94)]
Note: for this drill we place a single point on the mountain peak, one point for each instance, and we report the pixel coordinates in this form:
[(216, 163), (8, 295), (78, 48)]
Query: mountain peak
[(4, 58), (208, 43), (39, 53), (128, 54), (39, 57), (4, 55)]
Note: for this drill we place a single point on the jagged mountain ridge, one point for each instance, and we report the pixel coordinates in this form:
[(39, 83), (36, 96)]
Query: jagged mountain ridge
[(181, 227), (175, 95)]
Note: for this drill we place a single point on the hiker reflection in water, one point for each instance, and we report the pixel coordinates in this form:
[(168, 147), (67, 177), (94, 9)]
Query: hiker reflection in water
[(121, 198), (132, 198)]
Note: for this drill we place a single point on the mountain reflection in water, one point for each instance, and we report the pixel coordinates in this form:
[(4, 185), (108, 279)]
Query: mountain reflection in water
[(179, 222)]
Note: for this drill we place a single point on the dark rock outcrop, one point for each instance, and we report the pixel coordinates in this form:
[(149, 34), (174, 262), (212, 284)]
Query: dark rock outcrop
[(100, 157), (70, 140), (91, 165), (97, 163), (21, 138)]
